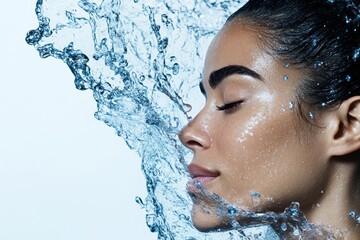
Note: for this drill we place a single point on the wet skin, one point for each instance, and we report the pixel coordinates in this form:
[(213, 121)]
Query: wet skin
[(247, 139)]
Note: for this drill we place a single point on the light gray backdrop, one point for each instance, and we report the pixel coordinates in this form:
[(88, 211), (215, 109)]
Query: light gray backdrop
[(63, 174)]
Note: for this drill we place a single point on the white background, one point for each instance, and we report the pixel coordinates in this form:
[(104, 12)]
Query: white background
[(63, 174)]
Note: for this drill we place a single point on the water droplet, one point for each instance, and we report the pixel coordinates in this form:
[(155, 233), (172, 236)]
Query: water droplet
[(151, 222), (323, 104), (184, 217), (163, 44), (291, 105), (176, 68), (331, 1), (139, 201), (164, 18), (142, 78), (311, 115), (34, 36), (352, 214), (187, 107), (296, 232), (356, 54), (172, 58), (283, 109), (294, 212), (318, 64), (316, 205), (255, 195), (347, 19), (231, 211), (283, 227), (285, 78), (348, 78), (315, 42), (286, 65)]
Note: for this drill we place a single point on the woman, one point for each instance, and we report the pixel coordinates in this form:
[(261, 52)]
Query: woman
[(281, 122)]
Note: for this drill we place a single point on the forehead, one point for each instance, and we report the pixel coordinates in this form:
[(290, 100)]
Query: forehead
[(236, 45)]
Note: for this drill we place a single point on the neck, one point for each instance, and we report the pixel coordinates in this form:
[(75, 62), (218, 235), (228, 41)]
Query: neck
[(340, 196)]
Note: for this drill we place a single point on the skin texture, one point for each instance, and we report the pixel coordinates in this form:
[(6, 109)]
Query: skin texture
[(262, 146)]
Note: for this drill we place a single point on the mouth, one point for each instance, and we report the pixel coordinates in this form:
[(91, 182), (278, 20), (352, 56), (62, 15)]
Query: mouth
[(200, 177)]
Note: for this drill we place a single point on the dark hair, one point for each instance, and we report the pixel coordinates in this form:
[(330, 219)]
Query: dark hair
[(320, 37)]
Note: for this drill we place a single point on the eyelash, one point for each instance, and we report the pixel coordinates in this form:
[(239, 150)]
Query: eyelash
[(229, 106)]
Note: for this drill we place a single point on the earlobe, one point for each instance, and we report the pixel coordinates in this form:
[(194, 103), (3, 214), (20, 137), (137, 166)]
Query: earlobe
[(346, 131)]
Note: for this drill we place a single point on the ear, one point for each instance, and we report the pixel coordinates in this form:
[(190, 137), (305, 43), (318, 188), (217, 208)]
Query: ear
[(345, 128)]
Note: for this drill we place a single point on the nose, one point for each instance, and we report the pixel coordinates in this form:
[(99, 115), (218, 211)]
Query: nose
[(195, 135)]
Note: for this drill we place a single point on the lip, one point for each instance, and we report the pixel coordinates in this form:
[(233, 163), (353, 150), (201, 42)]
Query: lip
[(200, 177)]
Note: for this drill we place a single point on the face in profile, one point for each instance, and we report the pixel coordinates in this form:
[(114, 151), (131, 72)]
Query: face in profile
[(250, 146)]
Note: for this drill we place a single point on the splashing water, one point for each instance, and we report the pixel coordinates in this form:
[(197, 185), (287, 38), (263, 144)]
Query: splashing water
[(142, 61)]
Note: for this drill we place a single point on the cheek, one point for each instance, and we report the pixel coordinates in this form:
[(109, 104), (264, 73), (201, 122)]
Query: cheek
[(262, 155)]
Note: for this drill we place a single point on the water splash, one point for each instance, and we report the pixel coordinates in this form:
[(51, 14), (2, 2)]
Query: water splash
[(142, 60)]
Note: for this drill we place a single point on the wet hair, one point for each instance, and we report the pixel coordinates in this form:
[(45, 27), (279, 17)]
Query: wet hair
[(319, 37)]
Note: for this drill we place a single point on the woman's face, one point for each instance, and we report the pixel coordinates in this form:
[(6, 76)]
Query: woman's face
[(248, 139)]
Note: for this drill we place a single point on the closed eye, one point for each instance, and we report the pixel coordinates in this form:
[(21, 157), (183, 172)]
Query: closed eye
[(230, 106)]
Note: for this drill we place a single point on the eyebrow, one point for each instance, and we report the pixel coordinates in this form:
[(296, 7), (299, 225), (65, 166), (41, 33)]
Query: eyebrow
[(219, 75)]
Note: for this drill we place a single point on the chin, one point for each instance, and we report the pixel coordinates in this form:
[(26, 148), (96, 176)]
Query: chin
[(209, 216), (206, 219)]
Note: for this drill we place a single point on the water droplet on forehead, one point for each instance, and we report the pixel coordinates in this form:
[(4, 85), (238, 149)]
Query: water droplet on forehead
[(285, 78)]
